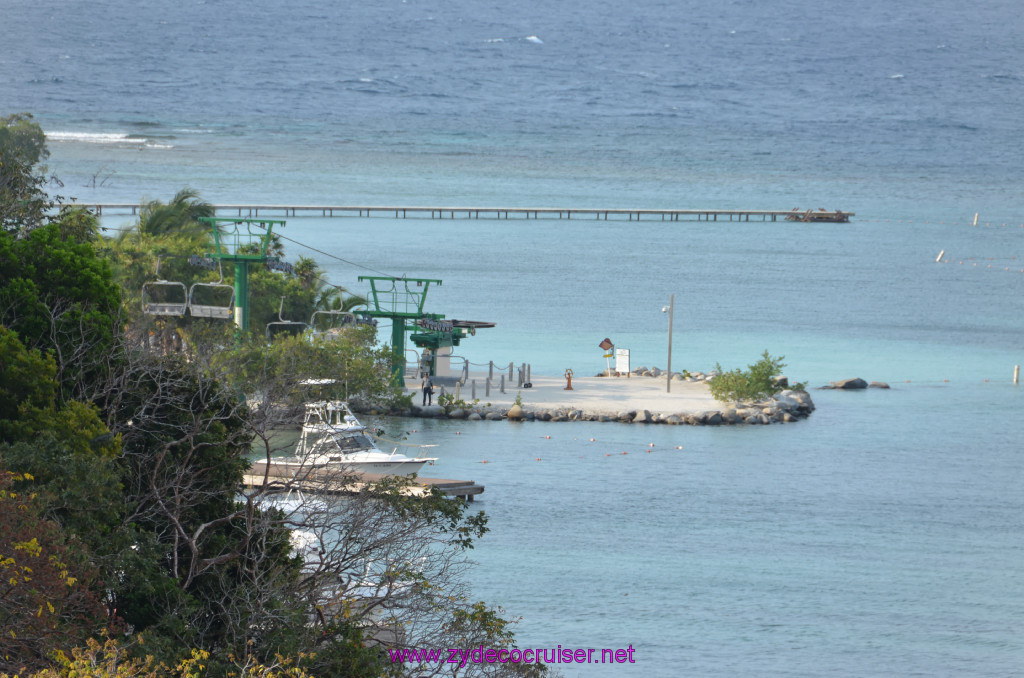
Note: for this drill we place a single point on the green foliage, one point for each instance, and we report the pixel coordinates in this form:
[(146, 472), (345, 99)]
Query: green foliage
[(757, 382), (275, 371), (23, 198), (59, 296), (449, 403)]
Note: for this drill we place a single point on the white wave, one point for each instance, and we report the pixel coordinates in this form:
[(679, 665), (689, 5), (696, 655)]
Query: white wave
[(107, 138), (534, 39), (896, 76), (495, 40), (95, 137)]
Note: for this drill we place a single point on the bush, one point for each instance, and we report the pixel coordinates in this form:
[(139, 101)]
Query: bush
[(756, 383)]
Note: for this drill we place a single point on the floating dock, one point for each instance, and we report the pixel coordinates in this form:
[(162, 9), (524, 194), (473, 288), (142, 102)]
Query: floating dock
[(284, 476), (554, 213)]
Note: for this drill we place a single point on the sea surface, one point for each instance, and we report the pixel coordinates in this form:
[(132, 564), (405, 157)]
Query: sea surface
[(884, 535)]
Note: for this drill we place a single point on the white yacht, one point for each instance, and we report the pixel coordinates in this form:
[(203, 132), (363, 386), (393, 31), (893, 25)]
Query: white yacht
[(333, 437)]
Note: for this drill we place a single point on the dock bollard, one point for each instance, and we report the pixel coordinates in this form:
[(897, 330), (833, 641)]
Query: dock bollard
[(487, 388), (473, 389), (502, 387)]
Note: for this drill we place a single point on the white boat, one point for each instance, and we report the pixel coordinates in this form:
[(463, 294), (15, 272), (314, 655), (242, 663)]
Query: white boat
[(332, 437)]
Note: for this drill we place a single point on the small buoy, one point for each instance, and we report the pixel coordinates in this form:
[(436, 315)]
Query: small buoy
[(650, 444), (679, 447), (986, 381), (626, 453), (538, 458), (591, 440), (547, 437), (608, 454), (908, 381), (484, 461), (648, 451)]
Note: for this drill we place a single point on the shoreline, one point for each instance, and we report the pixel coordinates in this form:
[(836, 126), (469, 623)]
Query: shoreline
[(636, 399)]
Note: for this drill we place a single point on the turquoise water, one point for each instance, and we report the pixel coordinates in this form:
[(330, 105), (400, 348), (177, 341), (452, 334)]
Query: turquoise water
[(882, 536)]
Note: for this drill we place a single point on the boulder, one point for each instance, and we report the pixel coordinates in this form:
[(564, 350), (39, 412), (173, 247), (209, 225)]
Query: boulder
[(673, 420), (713, 419), (515, 413), (878, 384), (642, 417), (850, 384), (474, 416), (457, 414)]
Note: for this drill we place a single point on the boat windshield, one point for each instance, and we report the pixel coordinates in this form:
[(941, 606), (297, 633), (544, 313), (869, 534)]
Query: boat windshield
[(353, 443)]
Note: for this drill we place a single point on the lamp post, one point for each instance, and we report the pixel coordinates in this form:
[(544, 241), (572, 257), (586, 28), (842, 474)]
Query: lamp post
[(668, 371)]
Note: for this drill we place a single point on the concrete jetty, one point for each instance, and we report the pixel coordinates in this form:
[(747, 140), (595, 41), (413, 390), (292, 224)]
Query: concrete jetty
[(633, 399)]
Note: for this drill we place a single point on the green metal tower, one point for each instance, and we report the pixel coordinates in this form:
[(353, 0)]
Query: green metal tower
[(243, 242), (394, 299)]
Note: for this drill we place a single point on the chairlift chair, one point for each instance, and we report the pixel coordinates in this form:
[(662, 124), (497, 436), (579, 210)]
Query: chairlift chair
[(159, 296), (221, 312), (281, 325)]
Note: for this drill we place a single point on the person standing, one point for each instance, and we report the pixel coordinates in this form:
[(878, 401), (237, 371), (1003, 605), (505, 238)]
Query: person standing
[(428, 391)]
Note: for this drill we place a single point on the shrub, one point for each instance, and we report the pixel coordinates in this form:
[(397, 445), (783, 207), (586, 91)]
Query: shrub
[(756, 383)]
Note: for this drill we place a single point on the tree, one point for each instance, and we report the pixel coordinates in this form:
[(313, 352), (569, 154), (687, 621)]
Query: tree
[(181, 214), (23, 198), (47, 601), (60, 297)]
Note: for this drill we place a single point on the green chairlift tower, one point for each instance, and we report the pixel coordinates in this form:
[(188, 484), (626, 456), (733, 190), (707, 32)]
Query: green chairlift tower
[(243, 242), (401, 300)]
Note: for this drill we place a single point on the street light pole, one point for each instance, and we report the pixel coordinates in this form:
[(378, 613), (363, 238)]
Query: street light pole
[(668, 371)]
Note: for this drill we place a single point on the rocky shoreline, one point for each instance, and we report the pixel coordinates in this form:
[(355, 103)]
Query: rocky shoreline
[(785, 407)]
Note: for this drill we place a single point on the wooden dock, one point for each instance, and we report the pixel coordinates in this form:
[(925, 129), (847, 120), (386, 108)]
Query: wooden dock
[(285, 476), (554, 213)]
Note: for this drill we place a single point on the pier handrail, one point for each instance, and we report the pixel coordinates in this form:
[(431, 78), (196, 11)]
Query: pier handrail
[(487, 212)]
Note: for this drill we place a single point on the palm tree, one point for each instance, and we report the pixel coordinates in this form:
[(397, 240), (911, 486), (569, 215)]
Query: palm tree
[(181, 214)]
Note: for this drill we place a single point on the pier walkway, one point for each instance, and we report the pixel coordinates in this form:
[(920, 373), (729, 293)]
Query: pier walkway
[(426, 212)]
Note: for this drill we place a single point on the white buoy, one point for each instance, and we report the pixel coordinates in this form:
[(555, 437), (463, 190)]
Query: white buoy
[(1016, 373)]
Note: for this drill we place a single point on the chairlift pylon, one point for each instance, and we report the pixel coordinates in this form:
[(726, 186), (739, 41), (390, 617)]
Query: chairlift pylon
[(159, 296), (284, 325), (222, 312)]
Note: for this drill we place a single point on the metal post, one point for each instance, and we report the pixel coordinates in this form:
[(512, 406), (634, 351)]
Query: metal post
[(490, 370), (242, 295), (473, 389), (668, 377), (487, 388), (511, 366), (502, 387), (528, 368)]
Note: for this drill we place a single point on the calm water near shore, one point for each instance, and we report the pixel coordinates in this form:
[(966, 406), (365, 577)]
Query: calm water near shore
[(882, 536)]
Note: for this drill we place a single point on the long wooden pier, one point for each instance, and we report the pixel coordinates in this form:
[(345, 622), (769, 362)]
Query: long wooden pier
[(284, 476), (427, 212)]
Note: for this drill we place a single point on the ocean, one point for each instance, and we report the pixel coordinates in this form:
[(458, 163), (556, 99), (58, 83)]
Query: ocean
[(881, 536)]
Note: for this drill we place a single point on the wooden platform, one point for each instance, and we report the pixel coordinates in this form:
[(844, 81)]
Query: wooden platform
[(443, 212), (284, 476)]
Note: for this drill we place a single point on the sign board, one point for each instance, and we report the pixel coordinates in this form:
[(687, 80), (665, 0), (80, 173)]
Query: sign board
[(622, 360), (606, 344)]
